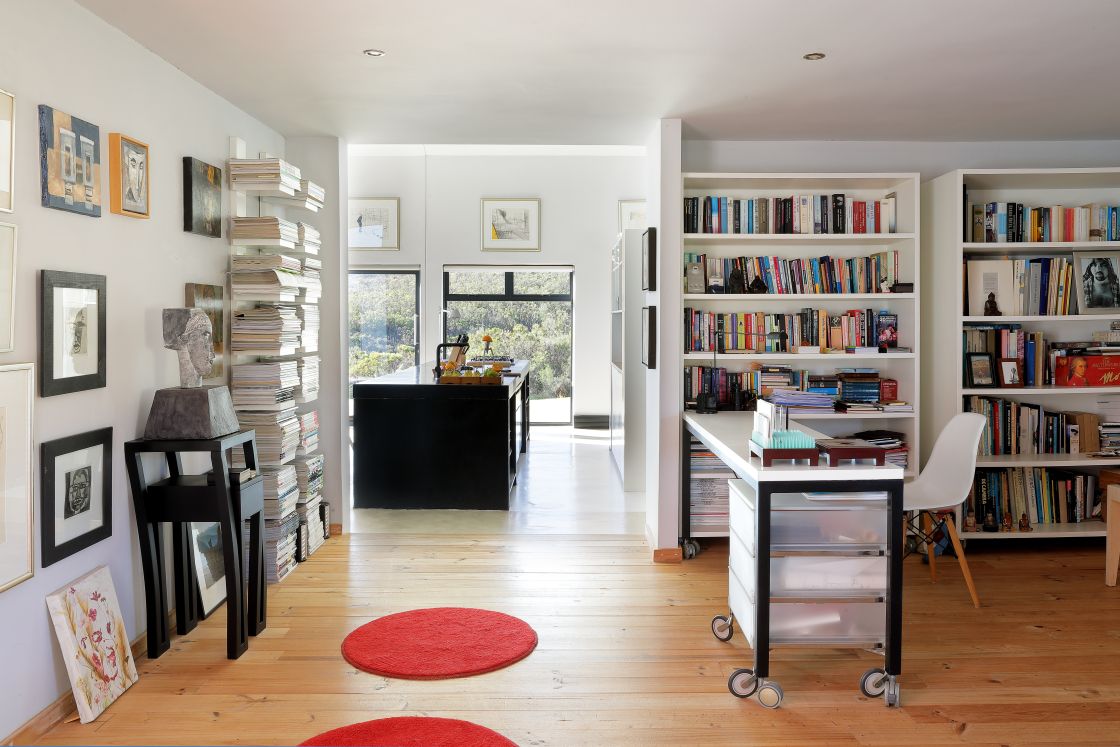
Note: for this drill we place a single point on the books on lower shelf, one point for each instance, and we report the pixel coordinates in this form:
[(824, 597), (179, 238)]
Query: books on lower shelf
[(279, 286), (309, 475), (1028, 428), (797, 214), (846, 389), (1014, 222), (280, 539), (1042, 286), (264, 227), (264, 173), (1044, 494), (708, 490), (813, 275), (311, 527), (809, 329), (281, 490), (277, 435), (270, 330), (264, 385)]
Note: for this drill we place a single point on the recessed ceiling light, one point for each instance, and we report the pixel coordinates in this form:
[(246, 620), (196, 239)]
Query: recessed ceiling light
[(814, 56), (373, 52)]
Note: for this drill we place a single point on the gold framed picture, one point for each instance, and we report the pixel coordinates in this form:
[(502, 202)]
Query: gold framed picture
[(128, 177)]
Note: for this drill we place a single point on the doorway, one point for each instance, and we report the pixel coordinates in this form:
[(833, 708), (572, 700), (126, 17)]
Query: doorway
[(384, 322)]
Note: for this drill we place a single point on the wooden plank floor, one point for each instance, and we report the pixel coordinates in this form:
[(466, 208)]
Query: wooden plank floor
[(626, 656)]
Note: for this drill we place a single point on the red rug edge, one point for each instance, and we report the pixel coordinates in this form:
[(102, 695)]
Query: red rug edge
[(396, 676)]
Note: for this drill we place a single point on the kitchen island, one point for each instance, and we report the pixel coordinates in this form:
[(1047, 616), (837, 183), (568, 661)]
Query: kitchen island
[(422, 444)]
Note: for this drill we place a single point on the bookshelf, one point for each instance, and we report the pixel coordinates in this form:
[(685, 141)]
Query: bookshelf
[(903, 367), (947, 229)]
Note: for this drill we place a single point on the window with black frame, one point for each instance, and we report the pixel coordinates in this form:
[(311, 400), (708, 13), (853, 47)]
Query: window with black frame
[(384, 321)]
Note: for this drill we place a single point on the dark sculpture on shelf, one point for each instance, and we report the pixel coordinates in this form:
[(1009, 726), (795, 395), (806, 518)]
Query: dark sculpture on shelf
[(1006, 526), (991, 308), (735, 282), (990, 524), (1025, 524), (970, 521), (757, 286)]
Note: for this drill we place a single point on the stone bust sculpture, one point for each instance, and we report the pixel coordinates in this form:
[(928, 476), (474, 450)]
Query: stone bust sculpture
[(190, 333)]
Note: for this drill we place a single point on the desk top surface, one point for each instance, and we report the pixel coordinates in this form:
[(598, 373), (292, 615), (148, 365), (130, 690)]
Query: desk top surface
[(423, 375), (728, 435)]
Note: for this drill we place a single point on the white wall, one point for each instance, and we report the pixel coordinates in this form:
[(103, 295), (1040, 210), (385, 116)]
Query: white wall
[(107, 79), (440, 189)]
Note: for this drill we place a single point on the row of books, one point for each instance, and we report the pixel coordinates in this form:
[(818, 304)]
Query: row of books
[(1043, 494), (797, 214), (265, 227), (1014, 222), (845, 388), (875, 273), (1043, 362), (809, 330), (281, 490), (1043, 286), (269, 330), (1027, 428), (277, 435), (264, 173)]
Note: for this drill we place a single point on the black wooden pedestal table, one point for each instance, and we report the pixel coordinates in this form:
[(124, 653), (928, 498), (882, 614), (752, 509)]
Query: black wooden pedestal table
[(182, 499)]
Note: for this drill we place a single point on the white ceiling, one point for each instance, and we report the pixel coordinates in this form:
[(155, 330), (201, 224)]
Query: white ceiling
[(600, 71)]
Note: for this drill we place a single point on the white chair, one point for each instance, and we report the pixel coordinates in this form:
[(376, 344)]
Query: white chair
[(943, 485)]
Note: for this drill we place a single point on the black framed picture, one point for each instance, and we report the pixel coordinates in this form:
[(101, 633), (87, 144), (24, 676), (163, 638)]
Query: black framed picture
[(76, 493), (649, 259), (649, 336), (72, 335), (981, 369)]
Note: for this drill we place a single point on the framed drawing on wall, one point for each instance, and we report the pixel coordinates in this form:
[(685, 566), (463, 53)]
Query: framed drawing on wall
[(7, 151), (631, 214), (202, 198), (511, 224), (8, 235), (69, 163), (72, 336), (76, 493), (373, 223), (649, 259), (128, 177), (649, 336), (17, 548)]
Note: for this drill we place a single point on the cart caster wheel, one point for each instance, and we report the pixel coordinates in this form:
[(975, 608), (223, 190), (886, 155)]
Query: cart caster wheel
[(723, 628), (770, 695), (892, 693), (873, 683), (742, 683), (690, 549)]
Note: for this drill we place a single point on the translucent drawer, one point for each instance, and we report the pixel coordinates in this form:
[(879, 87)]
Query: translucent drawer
[(741, 514), (799, 575), (743, 564), (828, 622), (742, 606), (798, 522)]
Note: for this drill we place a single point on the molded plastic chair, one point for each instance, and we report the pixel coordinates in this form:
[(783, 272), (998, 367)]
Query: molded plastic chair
[(943, 485)]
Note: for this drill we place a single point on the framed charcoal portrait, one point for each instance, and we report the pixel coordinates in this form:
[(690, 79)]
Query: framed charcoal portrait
[(129, 189), (1097, 278), (202, 198), (72, 332), (76, 493)]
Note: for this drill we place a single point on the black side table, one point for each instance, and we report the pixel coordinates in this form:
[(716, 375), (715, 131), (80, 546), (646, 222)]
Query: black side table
[(182, 499)]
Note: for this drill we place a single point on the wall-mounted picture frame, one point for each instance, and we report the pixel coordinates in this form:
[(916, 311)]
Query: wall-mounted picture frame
[(129, 177), (649, 337), (9, 239), (511, 224), (1097, 277), (211, 300), (980, 369), (632, 214), (373, 223), (1010, 373), (202, 198), (69, 163), (76, 493), (649, 259), (209, 564), (72, 335), (17, 479), (7, 151)]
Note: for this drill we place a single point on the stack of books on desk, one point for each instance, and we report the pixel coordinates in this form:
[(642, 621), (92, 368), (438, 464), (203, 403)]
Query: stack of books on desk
[(258, 262), (309, 238), (893, 441), (267, 227), (309, 379), (315, 194), (267, 330), (277, 435), (259, 174), (264, 386), (278, 286), (281, 491), (800, 402), (308, 432)]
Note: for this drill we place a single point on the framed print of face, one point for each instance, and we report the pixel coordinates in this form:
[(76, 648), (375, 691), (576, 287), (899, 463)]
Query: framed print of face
[(69, 163), (209, 564), (211, 300), (72, 336), (7, 151), (1097, 277), (8, 236), (631, 214), (202, 198), (76, 501), (981, 370), (511, 225), (17, 548), (373, 223), (128, 177)]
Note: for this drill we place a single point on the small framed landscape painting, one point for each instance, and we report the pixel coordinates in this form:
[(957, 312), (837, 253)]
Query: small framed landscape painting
[(209, 564), (373, 223), (7, 151), (211, 299), (128, 177), (17, 554), (631, 214), (76, 491), (1097, 277), (202, 198), (511, 225), (72, 336), (69, 163), (8, 235), (981, 370)]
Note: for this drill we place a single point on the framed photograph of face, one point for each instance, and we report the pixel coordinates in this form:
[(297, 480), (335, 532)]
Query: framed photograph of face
[(202, 198), (8, 235), (631, 214), (72, 336), (209, 564), (76, 493), (7, 151), (373, 223), (981, 370), (1098, 282), (128, 176), (17, 481), (649, 336), (69, 163), (511, 225)]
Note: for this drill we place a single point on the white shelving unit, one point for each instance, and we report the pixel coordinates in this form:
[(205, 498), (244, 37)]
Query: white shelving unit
[(903, 367), (944, 228)]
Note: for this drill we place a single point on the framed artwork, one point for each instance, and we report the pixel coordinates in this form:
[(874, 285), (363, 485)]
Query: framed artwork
[(209, 564), (69, 163), (8, 235), (72, 336), (76, 493), (128, 177), (91, 635), (1010, 372), (649, 259), (211, 300), (373, 223), (17, 548), (202, 198), (7, 151), (1098, 282), (981, 370), (631, 214), (649, 336), (511, 225)]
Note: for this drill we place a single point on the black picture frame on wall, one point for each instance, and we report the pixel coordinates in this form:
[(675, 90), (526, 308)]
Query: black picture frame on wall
[(649, 259), (72, 332), (76, 493), (649, 337)]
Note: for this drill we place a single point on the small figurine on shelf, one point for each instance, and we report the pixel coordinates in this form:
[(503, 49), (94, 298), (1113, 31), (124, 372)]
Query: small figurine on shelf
[(970, 521), (1006, 525), (1025, 524), (735, 282), (991, 308), (884, 286), (486, 340), (990, 524), (757, 286)]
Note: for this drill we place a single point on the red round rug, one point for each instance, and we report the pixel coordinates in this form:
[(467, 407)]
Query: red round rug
[(411, 731), (439, 643)]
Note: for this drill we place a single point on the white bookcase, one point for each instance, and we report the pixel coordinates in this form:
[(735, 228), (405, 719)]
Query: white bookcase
[(944, 227)]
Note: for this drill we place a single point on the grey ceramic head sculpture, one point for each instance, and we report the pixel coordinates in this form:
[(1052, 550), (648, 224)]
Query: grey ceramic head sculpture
[(190, 333)]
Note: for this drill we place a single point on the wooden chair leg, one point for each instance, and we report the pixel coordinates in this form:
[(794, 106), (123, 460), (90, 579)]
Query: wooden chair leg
[(951, 527), (927, 527)]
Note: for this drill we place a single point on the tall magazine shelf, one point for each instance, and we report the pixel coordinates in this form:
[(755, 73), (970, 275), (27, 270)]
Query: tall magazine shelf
[(705, 498)]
